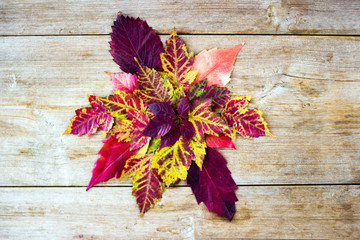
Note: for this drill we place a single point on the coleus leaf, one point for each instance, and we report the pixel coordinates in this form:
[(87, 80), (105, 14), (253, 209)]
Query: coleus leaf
[(177, 62), (205, 121), (183, 107), (113, 156), (130, 130), (213, 185), (247, 122), (158, 126), (219, 96), (133, 38), (123, 81), (219, 141), (216, 65), (153, 88), (197, 89), (120, 102), (171, 137), (147, 184), (187, 129), (173, 161), (88, 120), (162, 109), (199, 150)]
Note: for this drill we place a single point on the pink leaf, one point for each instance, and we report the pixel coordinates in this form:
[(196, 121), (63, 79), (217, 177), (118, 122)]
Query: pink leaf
[(213, 185), (123, 81), (216, 65), (113, 156), (219, 141)]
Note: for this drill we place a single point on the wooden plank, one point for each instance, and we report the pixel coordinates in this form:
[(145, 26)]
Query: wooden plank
[(54, 17), (327, 212), (307, 87)]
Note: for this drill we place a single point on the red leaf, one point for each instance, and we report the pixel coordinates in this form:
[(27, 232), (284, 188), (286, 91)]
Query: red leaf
[(133, 38), (213, 185), (158, 126), (216, 65), (123, 81), (88, 120), (219, 95), (219, 141), (113, 156)]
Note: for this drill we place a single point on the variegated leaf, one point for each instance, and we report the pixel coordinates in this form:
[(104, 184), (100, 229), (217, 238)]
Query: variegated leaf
[(205, 121), (177, 62), (174, 161)]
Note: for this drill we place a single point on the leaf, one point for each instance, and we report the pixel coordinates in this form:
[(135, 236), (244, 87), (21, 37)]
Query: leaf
[(216, 65), (162, 109), (213, 185), (205, 121), (199, 149), (219, 141), (88, 120), (133, 38), (183, 107), (120, 102), (177, 62), (197, 90), (158, 126), (219, 95), (148, 186), (152, 88), (113, 156), (123, 81), (171, 137), (247, 122), (154, 144), (187, 129), (173, 161), (131, 130)]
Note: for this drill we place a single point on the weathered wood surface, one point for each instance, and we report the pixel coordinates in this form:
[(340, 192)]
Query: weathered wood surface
[(321, 212), (307, 87), (60, 17)]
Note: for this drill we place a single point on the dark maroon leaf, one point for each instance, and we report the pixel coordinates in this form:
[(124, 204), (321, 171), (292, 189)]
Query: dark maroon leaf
[(183, 107), (171, 137), (162, 109), (133, 38), (158, 126), (213, 185), (187, 129)]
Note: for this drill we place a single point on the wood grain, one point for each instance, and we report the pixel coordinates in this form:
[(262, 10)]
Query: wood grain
[(307, 87), (325, 212), (60, 17)]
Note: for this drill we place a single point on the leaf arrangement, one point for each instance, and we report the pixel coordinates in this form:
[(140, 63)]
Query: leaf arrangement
[(168, 113)]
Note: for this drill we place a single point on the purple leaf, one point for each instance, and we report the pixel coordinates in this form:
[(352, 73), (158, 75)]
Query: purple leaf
[(133, 38), (162, 109), (187, 129), (213, 185), (171, 137), (158, 126), (183, 107)]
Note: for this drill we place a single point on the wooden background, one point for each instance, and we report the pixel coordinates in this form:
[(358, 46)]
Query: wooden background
[(301, 64)]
